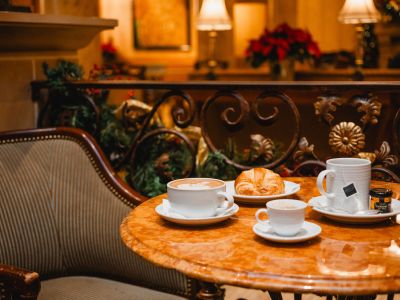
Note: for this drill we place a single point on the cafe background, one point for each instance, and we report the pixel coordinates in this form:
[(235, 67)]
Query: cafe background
[(160, 40)]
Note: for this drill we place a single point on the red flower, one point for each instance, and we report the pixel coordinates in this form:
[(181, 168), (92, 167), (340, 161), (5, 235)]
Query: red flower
[(267, 50), (301, 36), (281, 53), (255, 46), (313, 49), (108, 48), (280, 43)]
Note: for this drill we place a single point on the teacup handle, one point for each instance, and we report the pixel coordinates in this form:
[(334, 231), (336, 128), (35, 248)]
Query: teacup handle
[(320, 186), (228, 197), (259, 212)]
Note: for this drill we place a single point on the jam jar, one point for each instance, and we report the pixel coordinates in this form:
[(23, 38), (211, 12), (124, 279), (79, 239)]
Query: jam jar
[(381, 199)]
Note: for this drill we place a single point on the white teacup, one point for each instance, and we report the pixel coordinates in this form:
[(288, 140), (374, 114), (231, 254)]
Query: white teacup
[(198, 197), (285, 216), (341, 172)]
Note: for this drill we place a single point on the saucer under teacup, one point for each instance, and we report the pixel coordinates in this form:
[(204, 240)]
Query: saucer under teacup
[(308, 231), (165, 212), (319, 204)]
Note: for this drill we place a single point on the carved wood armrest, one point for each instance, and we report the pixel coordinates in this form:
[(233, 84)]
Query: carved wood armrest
[(17, 283)]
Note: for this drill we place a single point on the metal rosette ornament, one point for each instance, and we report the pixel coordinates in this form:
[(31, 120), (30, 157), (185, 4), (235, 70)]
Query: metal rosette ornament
[(346, 138)]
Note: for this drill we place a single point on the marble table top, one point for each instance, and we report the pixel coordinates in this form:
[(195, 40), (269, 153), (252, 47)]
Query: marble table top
[(343, 259)]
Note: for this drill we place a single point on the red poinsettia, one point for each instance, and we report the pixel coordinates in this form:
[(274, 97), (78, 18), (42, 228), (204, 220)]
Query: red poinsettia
[(108, 48), (281, 43)]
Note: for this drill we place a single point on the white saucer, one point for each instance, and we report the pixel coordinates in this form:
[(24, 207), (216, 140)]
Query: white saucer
[(290, 189), (195, 221), (355, 219), (309, 231)]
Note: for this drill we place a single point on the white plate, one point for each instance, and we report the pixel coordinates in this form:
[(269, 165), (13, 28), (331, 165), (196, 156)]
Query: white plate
[(309, 231), (357, 219), (198, 221), (290, 189)]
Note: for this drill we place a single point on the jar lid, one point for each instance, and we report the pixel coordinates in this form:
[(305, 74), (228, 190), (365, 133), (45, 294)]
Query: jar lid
[(381, 192)]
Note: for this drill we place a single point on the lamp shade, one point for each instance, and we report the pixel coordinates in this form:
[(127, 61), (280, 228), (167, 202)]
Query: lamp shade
[(213, 16), (359, 12)]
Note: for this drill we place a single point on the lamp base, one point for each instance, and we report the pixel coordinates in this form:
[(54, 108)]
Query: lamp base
[(358, 75), (211, 64)]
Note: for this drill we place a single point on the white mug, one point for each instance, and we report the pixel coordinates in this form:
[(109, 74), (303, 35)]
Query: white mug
[(341, 172), (285, 216), (199, 197)]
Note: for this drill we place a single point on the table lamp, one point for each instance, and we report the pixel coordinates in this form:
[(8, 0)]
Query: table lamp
[(359, 12), (213, 17)]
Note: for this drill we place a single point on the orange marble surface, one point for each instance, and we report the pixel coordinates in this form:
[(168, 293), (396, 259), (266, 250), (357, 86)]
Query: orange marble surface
[(344, 259)]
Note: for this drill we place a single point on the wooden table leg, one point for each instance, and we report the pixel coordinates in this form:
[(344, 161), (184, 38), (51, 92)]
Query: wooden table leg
[(275, 295), (297, 296), (210, 291)]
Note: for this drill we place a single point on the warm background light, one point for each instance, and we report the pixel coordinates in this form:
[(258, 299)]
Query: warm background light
[(359, 12), (318, 16), (213, 16)]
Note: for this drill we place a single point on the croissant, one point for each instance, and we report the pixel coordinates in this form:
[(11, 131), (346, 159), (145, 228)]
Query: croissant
[(259, 182)]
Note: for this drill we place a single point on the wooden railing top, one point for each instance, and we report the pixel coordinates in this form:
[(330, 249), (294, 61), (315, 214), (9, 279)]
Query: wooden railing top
[(389, 86)]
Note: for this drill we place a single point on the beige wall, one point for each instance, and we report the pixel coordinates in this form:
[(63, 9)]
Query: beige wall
[(255, 15), (18, 69), (91, 54), (320, 18)]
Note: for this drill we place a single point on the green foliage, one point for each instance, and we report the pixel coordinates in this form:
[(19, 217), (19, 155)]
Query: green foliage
[(114, 139), (62, 72), (216, 167), (146, 181), (162, 159)]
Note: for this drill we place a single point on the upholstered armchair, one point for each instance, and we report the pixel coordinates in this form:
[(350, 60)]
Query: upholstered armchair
[(60, 211)]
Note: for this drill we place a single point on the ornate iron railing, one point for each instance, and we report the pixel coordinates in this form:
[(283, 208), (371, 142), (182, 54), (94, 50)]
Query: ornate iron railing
[(252, 107)]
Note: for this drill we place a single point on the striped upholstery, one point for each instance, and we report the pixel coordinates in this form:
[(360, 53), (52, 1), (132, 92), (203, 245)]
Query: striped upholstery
[(58, 217)]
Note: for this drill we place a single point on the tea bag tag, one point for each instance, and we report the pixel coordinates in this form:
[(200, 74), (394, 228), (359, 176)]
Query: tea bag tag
[(352, 202), (349, 190)]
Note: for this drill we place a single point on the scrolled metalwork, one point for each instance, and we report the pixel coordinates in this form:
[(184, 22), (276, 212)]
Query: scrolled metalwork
[(177, 114), (243, 116), (384, 157), (304, 149), (262, 146), (325, 106), (309, 168), (387, 174), (162, 131), (268, 120), (231, 124), (369, 106), (182, 118)]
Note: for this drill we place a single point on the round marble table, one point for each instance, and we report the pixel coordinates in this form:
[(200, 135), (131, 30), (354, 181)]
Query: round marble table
[(344, 259)]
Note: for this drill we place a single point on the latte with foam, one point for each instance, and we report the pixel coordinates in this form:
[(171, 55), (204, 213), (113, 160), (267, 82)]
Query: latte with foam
[(199, 197), (285, 206), (196, 184)]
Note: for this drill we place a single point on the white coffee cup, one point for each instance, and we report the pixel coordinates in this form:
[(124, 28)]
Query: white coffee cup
[(285, 216), (198, 197), (341, 172)]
